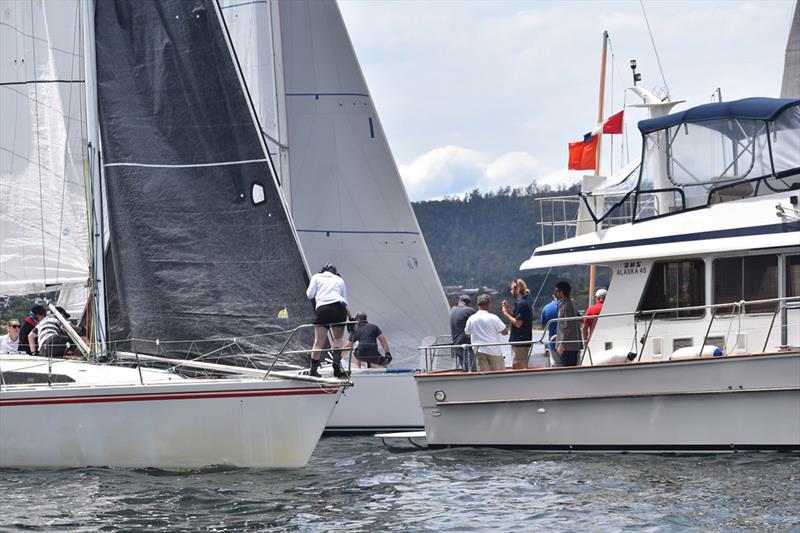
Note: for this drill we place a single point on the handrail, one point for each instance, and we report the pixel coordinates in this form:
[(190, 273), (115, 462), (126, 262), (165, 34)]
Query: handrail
[(187, 363), (781, 303)]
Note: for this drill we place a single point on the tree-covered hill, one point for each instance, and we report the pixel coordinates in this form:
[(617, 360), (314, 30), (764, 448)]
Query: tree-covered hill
[(481, 240)]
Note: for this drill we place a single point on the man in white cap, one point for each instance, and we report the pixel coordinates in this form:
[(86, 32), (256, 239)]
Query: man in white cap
[(591, 314)]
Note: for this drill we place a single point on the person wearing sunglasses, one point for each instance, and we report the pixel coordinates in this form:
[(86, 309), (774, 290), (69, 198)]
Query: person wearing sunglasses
[(9, 343)]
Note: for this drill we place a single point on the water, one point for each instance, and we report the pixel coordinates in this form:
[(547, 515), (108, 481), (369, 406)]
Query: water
[(356, 484)]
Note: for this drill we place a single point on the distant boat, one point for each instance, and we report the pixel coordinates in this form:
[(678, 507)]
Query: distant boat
[(202, 243)]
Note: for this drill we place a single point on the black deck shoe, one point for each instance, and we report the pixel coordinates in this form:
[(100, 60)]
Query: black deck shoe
[(314, 367)]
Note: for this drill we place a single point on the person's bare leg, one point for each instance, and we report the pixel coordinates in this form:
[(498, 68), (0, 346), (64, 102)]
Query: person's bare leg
[(338, 342), (319, 341)]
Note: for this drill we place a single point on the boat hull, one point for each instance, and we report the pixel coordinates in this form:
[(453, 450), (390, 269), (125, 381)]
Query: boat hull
[(720, 404), (188, 424), (379, 400)]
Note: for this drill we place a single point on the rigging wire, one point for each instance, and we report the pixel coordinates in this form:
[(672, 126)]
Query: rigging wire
[(625, 144), (655, 49)]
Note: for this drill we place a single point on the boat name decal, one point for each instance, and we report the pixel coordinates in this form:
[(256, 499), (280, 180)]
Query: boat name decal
[(631, 267)]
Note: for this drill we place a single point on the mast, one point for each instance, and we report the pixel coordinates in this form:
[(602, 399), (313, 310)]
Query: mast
[(95, 181), (592, 269), (280, 102)]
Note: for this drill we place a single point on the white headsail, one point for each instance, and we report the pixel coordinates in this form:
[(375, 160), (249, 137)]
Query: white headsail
[(345, 194), (43, 228)]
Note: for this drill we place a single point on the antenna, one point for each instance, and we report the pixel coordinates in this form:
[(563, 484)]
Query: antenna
[(636, 76)]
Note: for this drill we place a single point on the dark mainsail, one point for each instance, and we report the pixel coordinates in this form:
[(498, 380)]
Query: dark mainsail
[(202, 246)]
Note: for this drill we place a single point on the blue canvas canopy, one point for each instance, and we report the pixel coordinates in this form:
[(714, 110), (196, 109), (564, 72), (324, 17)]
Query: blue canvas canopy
[(746, 109)]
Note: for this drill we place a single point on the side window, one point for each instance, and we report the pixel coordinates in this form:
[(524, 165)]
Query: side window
[(746, 278), (793, 275), (675, 284)]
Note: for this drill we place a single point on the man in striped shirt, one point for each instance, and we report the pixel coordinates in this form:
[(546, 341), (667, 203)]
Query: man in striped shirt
[(50, 337)]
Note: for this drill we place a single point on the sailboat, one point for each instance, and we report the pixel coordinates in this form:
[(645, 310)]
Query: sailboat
[(343, 191), (201, 240)]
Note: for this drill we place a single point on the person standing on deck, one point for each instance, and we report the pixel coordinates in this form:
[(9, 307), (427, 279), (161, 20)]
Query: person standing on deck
[(591, 314), (521, 323), (486, 328), (568, 335), (328, 290), (458, 321)]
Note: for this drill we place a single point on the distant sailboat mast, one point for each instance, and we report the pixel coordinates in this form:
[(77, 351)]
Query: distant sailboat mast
[(791, 66), (95, 192)]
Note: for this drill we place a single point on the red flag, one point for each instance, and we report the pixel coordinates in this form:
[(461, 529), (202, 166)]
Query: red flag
[(582, 154), (614, 123)]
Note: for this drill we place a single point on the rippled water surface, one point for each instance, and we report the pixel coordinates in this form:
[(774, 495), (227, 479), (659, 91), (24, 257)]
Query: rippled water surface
[(357, 484)]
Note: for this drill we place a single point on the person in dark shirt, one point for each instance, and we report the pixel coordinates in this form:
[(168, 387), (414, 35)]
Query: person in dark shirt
[(36, 313), (368, 335), (458, 320), (568, 333), (521, 320)]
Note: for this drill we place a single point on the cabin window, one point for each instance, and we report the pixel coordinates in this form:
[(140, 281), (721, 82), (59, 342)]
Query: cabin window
[(746, 278), (793, 275), (675, 284)]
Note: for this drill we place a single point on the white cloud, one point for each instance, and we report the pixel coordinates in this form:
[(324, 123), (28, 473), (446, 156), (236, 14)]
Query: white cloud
[(522, 77), (454, 170)]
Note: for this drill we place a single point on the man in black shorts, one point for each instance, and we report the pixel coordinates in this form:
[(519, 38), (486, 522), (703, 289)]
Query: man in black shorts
[(368, 335)]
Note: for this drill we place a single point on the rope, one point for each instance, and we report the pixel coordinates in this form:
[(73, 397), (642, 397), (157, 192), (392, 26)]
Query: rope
[(655, 49), (541, 287)]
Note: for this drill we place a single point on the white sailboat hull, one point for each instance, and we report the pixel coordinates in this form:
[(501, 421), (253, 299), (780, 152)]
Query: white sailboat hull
[(379, 400), (188, 423), (726, 403)]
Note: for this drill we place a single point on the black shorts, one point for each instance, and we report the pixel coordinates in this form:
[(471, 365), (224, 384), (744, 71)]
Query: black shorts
[(55, 346), (368, 354), (334, 313)]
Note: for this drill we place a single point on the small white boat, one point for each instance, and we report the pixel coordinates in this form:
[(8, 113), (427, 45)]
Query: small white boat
[(380, 399), (73, 414)]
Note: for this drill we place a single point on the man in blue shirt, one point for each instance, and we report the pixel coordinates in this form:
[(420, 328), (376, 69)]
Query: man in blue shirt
[(550, 312), (521, 320)]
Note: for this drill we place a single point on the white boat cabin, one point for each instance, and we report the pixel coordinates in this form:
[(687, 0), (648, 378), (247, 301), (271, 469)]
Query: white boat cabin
[(712, 219)]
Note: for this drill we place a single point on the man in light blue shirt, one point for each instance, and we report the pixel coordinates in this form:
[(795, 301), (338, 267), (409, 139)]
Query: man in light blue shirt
[(550, 312)]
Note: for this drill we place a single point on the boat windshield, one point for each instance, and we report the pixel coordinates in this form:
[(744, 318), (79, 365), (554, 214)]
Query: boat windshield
[(694, 163)]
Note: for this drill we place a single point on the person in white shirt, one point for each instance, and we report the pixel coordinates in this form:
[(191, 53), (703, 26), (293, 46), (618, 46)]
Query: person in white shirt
[(486, 328), (9, 343), (329, 293)]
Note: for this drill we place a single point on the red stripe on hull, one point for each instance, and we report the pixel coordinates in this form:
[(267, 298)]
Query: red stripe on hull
[(192, 395)]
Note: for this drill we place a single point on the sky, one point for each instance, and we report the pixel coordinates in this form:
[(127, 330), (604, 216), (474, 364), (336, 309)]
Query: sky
[(479, 94)]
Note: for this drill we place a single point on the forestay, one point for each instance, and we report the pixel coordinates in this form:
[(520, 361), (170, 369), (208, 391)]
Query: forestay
[(202, 245), (43, 223)]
